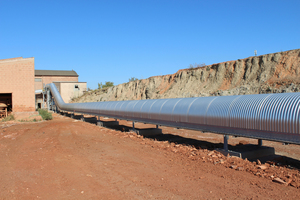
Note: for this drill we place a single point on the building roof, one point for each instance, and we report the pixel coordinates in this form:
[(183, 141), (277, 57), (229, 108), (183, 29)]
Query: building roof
[(55, 73)]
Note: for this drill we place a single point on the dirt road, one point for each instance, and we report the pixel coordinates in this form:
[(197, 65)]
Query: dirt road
[(69, 159)]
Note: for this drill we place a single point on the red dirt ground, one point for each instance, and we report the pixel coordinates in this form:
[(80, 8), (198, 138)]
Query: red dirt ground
[(70, 159)]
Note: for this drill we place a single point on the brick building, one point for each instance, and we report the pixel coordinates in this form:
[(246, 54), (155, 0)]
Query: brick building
[(21, 86), (17, 84), (43, 77), (65, 81)]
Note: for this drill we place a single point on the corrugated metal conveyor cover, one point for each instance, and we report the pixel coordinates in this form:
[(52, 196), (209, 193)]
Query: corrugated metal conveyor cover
[(198, 109), (167, 110), (218, 111), (263, 116), (137, 110), (245, 110), (129, 111), (280, 113), (154, 112), (180, 111)]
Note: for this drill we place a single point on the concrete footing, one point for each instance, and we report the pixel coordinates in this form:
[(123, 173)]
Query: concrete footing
[(249, 151), (147, 131), (82, 118), (107, 123)]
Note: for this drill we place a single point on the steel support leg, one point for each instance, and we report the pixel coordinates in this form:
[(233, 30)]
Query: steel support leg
[(133, 126), (260, 142), (48, 100), (156, 126), (226, 137)]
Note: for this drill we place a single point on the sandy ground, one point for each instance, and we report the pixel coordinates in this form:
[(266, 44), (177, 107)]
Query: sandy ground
[(70, 159)]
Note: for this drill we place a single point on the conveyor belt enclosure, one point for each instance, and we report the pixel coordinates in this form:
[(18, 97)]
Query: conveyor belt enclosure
[(261, 116)]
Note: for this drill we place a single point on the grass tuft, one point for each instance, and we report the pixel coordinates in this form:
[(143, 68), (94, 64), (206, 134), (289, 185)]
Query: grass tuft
[(9, 118), (45, 114)]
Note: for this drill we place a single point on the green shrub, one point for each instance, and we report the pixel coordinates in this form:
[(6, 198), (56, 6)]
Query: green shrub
[(133, 79), (107, 85), (45, 114), (9, 118), (192, 66)]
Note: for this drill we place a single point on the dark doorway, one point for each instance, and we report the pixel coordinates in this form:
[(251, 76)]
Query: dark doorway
[(6, 98)]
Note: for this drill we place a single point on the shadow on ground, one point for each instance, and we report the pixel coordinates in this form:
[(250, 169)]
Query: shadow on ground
[(283, 161)]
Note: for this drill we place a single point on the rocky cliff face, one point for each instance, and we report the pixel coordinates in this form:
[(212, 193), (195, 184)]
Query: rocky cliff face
[(270, 73)]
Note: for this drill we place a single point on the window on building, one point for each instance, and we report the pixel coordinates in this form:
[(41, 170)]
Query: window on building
[(76, 87), (38, 80)]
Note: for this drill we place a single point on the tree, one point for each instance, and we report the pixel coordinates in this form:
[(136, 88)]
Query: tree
[(133, 79), (107, 84), (100, 85), (192, 66)]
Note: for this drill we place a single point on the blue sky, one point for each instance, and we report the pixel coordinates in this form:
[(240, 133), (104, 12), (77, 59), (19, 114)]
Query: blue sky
[(116, 40)]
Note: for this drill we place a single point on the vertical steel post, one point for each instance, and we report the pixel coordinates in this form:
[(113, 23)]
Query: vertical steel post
[(260, 142), (133, 126), (48, 99), (226, 137), (43, 100)]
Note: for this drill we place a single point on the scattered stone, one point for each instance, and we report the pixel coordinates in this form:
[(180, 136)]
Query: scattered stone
[(263, 167), (278, 180), (233, 166), (240, 168), (243, 142), (193, 154), (210, 153), (258, 162), (294, 184), (289, 181)]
